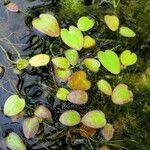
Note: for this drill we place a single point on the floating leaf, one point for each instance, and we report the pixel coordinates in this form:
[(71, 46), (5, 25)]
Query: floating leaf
[(47, 24), (88, 42), (70, 118), (42, 112), (12, 7), (22, 64), (104, 86), (62, 94), (85, 23), (121, 94), (87, 132), (127, 32), (72, 37), (104, 148), (61, 62), (112, 22), (108, 132), (62, 74), (30, 127), (14, 142), (94, 119), (13, 105), (92, 64), (110, 61), (127, 58), (78, 97), (39, 60), (72, 56), (78, 81)]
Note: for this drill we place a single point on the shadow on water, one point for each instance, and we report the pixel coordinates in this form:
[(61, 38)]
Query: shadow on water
[(38, 86)]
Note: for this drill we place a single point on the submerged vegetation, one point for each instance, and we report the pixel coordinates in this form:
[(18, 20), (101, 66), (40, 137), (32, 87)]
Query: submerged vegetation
[(81, 79)]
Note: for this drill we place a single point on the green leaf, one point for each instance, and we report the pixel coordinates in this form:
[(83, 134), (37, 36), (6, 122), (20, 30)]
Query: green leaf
[(30, 127), (72, 56), (92, 64), (47, 24), (121, 94), (14, 142), (13, 105), (22, 64), (89, 42), (62, 94), (72, 37), (105, 87), (70, 118), (110, 61), (94, 119), (85, 23), (39, 60), (62, 74), (127, 58), (78, 97), (61, 62), (112, 22), (127, 32)]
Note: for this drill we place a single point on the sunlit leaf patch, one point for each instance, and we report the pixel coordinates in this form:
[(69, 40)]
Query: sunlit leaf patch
[(13, 105), (112, 22), (70, 118), (14, 142), (85, 23), (72, 37), (47, 24), (94, 119)]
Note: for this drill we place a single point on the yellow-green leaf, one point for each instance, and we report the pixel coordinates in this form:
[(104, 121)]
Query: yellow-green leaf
[(62, 94), (13, 105), (127, 32), (127, 58), (112, 22)]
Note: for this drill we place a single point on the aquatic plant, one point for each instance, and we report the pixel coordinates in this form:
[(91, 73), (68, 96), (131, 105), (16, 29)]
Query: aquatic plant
[(13, 7), (89, 42), (14, 142), (62, 94)]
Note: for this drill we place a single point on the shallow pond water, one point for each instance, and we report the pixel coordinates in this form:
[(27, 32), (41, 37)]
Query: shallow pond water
[(38, 85)]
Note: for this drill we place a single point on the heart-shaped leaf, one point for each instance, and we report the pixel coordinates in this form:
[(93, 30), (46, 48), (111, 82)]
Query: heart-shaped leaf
[(127, 58), (88, 42), (70, 118), (94, 119), (85, 23), (62, 94), (61, 62), (47, 24), (92, 64), (127, 32), (43, 112), (62, 74), (12, 7), (87, 132), (78, 97), (39, 60), (121, 94), (110, 61), (14, 142), (78, 81), (108, 132), (30, 127), (22, 64), (13, 105), (72, 56), (105, 87), (72, 37), (112, 22)]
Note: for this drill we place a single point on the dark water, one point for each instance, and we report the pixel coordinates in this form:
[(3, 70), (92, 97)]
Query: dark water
[(131, 121)]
